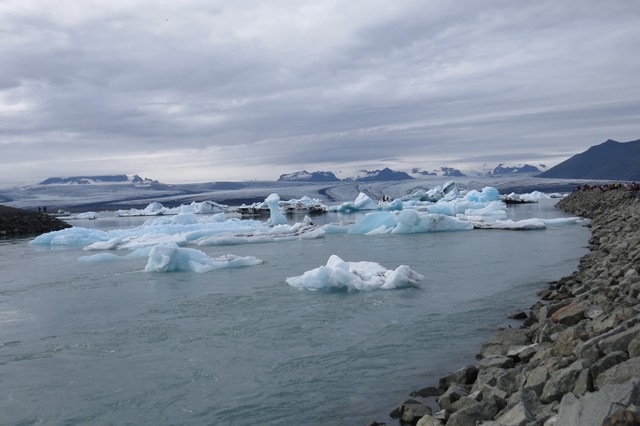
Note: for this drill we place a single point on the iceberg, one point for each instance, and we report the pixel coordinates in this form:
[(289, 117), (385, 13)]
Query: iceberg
[(340, 275), (184, 228), (276, 217), (157, 209), (411, 221), (362, 203), (170, 257), (403, 222)]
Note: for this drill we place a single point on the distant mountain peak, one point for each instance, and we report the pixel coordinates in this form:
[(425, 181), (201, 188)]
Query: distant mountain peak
[(385, 174), (501, 169), (305, 176)]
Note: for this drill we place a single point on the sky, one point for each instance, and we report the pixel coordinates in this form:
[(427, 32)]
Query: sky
[(208, 90)]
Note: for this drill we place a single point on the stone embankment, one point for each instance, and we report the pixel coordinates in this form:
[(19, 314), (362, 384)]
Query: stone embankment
[(576, 358), (16, 222)]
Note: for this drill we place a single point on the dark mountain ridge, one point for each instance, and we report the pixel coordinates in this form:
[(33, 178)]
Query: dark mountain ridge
[(611, 160)]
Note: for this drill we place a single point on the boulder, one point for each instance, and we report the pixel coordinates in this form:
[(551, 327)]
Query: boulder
[(570, 315), (410, 411), (536, 379), (453, 394), (620, 373), (562, 382), (502, 341), (429, 420), (468, 416), (463, 376), (593, 408), (619, 341), (608, 361)]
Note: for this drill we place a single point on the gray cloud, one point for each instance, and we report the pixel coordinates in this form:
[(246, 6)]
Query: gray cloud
[(211, 91)]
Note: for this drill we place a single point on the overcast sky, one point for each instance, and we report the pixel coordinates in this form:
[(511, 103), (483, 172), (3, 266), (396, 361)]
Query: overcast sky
[(208, 90)]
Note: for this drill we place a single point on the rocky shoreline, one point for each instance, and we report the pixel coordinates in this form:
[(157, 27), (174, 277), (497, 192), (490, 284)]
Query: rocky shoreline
[(576, 358), (17, 222)]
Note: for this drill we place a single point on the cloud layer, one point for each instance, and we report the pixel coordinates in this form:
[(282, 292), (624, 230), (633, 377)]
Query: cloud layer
[(209, 90)]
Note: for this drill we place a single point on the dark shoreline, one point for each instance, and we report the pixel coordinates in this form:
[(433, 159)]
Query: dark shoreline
[(16, 222), (576, 358)]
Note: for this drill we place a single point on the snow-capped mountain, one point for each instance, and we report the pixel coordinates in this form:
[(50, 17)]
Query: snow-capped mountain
[(103, 179), (305, 176), (502, 169), (443, 171), (385, 174)]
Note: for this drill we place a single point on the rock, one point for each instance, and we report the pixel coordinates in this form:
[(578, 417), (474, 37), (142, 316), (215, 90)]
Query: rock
[(570, 314), (562, 381), (536, 380), (468, 416), (429, 420), (593, 408), (584, 383), (634, 347), (496, 361), (464, 376), (523, 353), (453, 394), (619, 341), (501, 342), (410, 411), (427, 392), (518, 315), (522, 413), (619, 373), (608, 361)]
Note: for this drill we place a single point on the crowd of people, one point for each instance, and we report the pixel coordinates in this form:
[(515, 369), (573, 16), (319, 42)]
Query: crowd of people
[(633, 187)]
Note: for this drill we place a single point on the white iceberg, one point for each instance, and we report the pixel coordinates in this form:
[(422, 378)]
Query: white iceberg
[(276, 217), (171, 257), (157, 209), (362, 203), (411, 221), (341, 275), (403, 222)]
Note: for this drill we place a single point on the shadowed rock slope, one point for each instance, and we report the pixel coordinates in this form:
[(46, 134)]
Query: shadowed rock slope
[(16, 222)]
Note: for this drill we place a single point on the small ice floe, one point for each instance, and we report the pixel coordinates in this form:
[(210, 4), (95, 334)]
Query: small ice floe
[(340, 275), (529, 224), (171, 257)]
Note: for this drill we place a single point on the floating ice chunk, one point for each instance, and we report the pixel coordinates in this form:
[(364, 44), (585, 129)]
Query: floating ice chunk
[(276, 217), (171, 257), (362, 203), (71, 237), (411, 221), (100, 257), (341, 275), (156, 209), (488, 193), (395, 205), (374, 223), (561, 221), (510, 225)]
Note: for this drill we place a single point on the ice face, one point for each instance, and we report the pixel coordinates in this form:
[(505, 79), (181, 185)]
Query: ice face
[(340, 275), (170, 257)]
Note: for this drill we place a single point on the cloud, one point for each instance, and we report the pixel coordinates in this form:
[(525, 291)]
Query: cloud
[(219, 90)]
